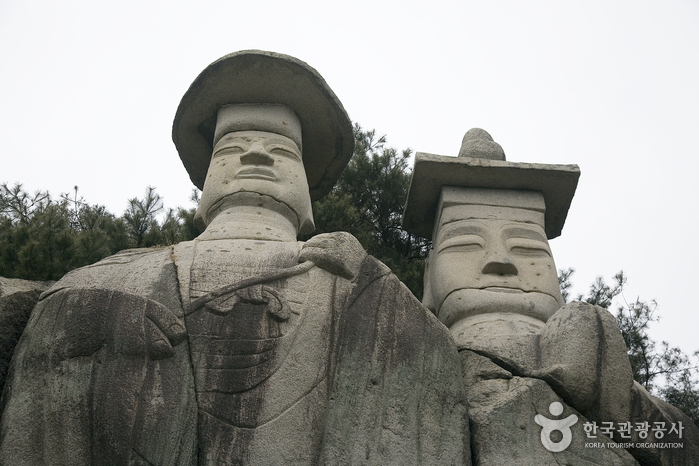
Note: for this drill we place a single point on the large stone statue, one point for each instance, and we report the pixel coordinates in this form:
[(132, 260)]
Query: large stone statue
[(243, 346), (547, 382)]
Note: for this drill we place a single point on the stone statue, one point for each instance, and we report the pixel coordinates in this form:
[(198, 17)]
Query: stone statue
[(243, 346), (532, 364)]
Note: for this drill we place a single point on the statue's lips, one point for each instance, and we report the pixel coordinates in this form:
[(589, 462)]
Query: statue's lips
[(500, 289), (469, 302), (260, 173)]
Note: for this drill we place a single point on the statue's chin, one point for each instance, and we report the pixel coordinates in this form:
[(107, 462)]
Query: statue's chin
[(470, 302)]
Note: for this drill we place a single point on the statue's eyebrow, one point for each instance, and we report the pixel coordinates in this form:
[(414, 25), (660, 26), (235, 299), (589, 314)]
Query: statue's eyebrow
[(458, 228), (284, 145), (519, 232), (226, 143)]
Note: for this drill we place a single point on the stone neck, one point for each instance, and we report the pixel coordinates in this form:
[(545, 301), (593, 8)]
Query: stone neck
[(249, 222)]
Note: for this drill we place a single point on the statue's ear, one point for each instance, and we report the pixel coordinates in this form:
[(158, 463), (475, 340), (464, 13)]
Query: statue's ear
[(427, 300)]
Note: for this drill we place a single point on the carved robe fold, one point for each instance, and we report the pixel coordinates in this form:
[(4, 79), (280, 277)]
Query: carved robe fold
[(175, 357)]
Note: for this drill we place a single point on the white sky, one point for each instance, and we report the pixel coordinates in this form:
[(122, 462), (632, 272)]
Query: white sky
[(88, 91)]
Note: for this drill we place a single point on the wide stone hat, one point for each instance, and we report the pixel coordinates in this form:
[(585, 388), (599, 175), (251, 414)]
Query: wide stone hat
[(256, 76), (481, 164)]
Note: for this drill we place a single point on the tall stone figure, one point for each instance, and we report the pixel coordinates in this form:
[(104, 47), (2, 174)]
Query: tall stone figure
[(243, 346), (547, 382)]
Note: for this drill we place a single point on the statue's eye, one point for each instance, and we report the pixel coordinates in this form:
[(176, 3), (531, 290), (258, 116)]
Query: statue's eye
[(528, 247), (462, 243), (283, 151), (233, 149)]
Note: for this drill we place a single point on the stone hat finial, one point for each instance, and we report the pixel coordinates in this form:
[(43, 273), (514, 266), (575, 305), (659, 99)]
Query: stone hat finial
[(477, 143)]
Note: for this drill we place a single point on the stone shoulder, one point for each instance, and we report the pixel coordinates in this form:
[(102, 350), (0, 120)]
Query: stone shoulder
[(149, 273)]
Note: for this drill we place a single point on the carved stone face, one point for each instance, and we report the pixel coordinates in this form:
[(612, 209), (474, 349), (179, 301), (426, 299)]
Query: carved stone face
[(257, 162), (491, 259)]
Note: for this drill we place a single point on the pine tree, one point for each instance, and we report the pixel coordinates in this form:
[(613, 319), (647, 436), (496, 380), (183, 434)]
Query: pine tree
[(368, 201)]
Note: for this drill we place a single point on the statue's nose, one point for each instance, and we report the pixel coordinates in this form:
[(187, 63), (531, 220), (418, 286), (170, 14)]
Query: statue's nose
[(500, 266), (257, 155)]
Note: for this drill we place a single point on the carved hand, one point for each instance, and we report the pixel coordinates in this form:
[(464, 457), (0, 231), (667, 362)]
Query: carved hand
[(90, 319), (339, 253), (584, 358)]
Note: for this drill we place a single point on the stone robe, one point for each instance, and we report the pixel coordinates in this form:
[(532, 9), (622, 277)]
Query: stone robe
[(579, 360), (178, 356)]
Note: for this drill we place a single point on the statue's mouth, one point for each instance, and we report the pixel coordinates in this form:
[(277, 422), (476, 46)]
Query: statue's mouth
[(260, 173), (500, 289)]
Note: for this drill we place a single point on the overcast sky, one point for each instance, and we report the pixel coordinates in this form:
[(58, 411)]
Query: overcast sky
[(88, 91)]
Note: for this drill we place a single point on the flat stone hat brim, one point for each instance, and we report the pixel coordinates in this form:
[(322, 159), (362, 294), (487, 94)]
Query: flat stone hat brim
[(256, 76), (431, 172)]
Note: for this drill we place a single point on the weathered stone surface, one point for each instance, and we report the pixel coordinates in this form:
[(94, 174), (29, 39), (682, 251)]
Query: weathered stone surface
[(490, 254), (103, 365), (491, 279), (383, 375), (502, 410), (243, 346), (580, 354), (581, 344), (647, 408), (17, 299), (479, 144), (339, 253), (509, 339)]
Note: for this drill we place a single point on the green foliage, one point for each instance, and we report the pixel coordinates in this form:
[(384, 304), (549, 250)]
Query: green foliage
[(368, 202), (663, 370), (683, 393), (34, 235), (43, 239), (564, 282), (140, 218)]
